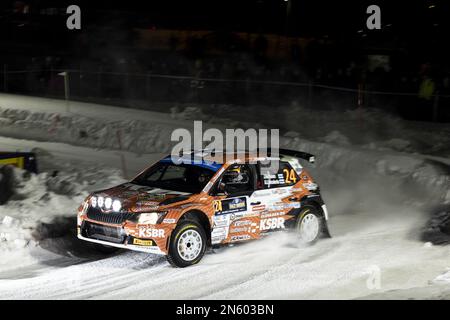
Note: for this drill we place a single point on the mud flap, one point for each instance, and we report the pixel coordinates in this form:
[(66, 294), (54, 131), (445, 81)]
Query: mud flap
[(325, 231)]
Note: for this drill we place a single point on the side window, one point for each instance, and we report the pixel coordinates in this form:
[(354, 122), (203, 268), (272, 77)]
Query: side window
[(283, 177), (156, 174), (237, 178), (174, 173)]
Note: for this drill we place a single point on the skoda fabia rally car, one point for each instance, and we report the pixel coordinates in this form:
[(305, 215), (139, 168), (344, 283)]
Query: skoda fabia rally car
[(179, 208)]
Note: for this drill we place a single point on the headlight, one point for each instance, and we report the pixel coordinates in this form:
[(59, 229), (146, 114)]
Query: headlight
[(108, 203), (100, 202), (150, 218), (116, 205), (94, 202)]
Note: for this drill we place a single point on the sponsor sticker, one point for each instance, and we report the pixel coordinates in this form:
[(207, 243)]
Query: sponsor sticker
[(240, 238), (140, 242), (272, 214), (221, 221), (310, 186), (271, 179), (219, 234), (145, 203), (230, 205), (146, 232), (263, 193), (279, 191), (272, 223), (282, 206), (242, 223), (260, 207), (238, 230), (153, 197)]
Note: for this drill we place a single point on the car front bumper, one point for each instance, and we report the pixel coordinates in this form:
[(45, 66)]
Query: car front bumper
[(147, 249), (117, 236)]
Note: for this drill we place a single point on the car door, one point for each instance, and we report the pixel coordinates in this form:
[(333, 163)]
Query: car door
[(233, 218), (272, 198)]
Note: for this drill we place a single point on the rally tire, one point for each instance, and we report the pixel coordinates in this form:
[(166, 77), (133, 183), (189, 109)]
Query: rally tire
[(187, 244), (309, 225)]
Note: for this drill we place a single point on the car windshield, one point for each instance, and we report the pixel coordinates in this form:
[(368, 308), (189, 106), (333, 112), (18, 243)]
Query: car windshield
[(190, 178)]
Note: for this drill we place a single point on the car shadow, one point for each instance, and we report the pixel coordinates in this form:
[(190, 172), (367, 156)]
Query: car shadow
[(60, 237), (437, 228)]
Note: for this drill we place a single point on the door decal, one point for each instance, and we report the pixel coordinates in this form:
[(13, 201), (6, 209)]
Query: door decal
[(228, 206)]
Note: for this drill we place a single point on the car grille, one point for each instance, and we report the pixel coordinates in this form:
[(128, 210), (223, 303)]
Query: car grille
[(110, 217), (101, 232)]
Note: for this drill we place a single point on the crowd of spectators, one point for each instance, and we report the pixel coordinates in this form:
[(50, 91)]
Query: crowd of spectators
[(420, 80)]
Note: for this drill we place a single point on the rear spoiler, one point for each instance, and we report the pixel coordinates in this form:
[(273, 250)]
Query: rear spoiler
[(298, 154), (291, 153)]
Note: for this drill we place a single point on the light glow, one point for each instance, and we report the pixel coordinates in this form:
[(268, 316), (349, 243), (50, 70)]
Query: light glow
[(148, 218), (116, 205), (108, 203), (100, 202)]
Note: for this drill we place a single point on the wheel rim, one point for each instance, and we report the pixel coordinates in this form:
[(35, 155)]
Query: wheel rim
[(309, 227), (190, 245)]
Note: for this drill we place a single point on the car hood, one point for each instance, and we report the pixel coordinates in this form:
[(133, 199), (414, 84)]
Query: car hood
[(137, 198)]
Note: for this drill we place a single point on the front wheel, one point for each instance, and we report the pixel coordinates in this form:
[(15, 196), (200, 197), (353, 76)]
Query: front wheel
[(309, 225), (187, 244)]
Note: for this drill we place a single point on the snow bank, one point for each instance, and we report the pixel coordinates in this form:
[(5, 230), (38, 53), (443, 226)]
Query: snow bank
[(370, 127), (145, 131), (37, 199), (144, 135), (40, 199), (380, 176)]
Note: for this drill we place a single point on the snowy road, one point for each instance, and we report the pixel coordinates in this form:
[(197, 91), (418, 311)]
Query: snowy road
[(274, 268)]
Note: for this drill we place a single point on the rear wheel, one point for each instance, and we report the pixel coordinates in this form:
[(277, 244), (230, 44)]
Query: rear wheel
[(309, 225), (187, 244)]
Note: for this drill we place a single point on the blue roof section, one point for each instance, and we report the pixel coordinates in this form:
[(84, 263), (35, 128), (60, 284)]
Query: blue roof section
[(214, 166)]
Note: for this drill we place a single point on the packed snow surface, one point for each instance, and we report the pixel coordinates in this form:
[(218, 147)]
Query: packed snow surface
[(388, 199)]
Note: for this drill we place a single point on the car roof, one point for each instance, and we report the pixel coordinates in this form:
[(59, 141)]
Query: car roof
[(203, 163), (220, 158)]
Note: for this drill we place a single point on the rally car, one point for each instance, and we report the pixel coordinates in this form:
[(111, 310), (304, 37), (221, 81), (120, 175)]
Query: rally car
[(179, 207)]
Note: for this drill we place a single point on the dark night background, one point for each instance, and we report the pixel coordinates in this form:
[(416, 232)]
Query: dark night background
[(264, 52)]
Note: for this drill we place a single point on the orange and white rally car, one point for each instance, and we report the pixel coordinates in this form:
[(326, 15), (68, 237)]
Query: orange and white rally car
[(179, 208)]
